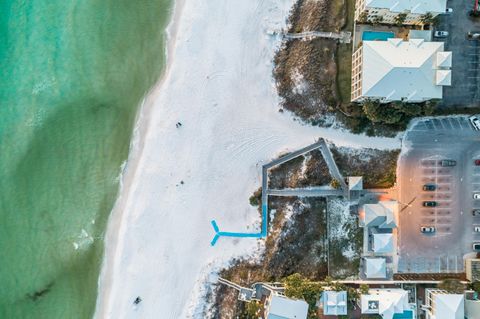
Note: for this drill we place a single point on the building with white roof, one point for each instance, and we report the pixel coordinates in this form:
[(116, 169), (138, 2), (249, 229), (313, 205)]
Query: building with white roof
[(443, 305), (375, 268), (355, 183), (386, 303), (381, 215), (334, 303), (389, 9), (398, 70), (281, 307), (383, 243)]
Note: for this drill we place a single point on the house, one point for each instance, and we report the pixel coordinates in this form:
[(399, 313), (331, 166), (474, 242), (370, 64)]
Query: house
[(375, 268), (381, 215), (281, 307), (388, 303), (383, 243), (388, 10), (334, 303), (397, 70), (443, 305)]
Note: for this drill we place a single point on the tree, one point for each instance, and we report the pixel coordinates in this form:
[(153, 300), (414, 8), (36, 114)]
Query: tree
[(377, 19), (335, 183), (252, 310), (400, 19), (475, 286), (364, 289), (381, 113), (452, 286), (428, 18), (430, 107), (353, 295), (411, 109), (363, 17)]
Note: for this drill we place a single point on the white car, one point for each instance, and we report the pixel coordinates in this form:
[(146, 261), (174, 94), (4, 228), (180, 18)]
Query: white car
[(475, 122), (476, 195), (476, 229), (449, 10), (441, 34)]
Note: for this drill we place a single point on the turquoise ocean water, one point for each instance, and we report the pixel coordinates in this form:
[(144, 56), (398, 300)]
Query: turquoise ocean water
[(72, 74)]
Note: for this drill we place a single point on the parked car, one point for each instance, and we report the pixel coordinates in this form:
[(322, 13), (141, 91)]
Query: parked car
[(476, 195), (429, 204), (477, 162), (476, 246), (441, 34), (476, 212), (449, 10), (476, 229), (473, 35), (427, 229), (429, 187), (446, 163), (475, 122)]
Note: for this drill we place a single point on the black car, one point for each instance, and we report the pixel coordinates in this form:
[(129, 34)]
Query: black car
[(429, 204), (476, 212), (429, 187), (447, 163)]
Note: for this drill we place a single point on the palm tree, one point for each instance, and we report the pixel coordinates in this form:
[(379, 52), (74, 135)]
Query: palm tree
[(400, 19)]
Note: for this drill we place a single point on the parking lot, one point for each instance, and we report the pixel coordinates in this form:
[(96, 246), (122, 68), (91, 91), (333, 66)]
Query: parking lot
[(429, 142), (465, 89)]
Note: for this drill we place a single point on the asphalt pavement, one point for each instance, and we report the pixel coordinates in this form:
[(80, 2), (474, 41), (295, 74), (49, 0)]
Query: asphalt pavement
[(429, 142)]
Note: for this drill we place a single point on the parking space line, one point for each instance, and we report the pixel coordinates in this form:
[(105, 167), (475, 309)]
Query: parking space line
[(453, 123), (447, 124)]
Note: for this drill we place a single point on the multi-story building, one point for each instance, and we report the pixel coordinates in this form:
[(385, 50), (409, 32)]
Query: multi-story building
[(388, 10), (439, 304), (397, 70)]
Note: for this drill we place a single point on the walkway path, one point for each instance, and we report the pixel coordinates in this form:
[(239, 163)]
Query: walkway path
[(342, 37), (300, 192), (332, 166), (306, 192)]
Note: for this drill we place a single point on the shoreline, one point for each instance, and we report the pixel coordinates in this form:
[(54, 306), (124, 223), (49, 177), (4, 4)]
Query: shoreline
[(225, 96), (115, 220)]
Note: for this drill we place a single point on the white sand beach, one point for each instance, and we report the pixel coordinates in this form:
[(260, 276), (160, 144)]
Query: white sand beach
[(219, 85)]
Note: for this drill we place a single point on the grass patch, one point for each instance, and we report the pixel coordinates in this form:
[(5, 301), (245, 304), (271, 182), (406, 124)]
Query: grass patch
[(344, 54), (377, 167)]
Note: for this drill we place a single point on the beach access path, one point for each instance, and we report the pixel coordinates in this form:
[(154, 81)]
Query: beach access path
[(218, 84)]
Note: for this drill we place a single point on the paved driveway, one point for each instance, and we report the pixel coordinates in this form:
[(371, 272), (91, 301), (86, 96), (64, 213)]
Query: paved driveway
[(465, 89), (431, 141)]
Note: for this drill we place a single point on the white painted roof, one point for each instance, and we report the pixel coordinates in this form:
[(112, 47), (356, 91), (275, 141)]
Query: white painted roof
[(381, 214), (375, 267), (449, 306), (386, 302), (444, 77), (334, 302), (285, 308), (355, 183), (414, 6), (444, 59), (397, 69), (383, 243)]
